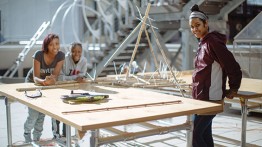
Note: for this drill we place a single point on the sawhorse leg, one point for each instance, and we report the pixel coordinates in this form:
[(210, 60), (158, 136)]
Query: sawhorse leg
[(244, 121), (8, 122)]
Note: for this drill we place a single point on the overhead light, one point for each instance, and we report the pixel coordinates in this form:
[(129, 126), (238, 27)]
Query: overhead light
[(27, 42), (254, 2)]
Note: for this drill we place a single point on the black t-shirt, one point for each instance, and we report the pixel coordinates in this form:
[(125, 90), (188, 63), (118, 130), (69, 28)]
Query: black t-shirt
[(45, 70)]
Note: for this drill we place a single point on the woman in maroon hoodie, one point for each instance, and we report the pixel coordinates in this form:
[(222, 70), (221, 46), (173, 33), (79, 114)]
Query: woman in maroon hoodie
[(214, 63)]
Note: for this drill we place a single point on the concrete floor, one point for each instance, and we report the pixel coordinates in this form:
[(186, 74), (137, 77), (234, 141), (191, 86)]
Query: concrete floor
[(226, 130)]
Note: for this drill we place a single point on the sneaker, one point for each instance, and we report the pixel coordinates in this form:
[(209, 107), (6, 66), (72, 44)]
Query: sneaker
[(27, 137), (36, 138), (56, 136), (63, 135)]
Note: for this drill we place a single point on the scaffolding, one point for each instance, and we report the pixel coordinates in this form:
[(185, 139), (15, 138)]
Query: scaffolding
[(247, 48), (13, 69)]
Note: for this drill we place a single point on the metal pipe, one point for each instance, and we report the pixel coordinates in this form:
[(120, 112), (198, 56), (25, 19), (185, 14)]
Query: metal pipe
[(189, 132), (8, 122), (244, 121), (68, 135)]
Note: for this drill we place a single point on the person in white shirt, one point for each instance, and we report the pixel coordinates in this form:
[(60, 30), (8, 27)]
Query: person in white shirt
[(74, 69), (75, 65)]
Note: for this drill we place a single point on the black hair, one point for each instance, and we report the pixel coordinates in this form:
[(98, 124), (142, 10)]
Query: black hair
[(195, 8), (74, 44)]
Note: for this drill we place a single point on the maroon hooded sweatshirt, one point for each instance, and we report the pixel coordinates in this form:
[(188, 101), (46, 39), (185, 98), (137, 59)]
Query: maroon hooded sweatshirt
[(213, 64)]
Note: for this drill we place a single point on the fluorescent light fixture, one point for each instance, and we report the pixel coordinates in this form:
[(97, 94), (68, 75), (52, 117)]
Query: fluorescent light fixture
[(27, 42), (91, 48), (254, 2)]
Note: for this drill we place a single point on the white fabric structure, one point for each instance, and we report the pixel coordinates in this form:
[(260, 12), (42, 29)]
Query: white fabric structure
[(248, 48)]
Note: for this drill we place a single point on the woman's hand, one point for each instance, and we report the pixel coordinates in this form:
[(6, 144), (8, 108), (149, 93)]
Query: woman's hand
[(231, 93), (49, 80), (80, 79)]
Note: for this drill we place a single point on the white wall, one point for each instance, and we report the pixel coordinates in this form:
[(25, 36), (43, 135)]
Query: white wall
[(9, 53), (22, 18)]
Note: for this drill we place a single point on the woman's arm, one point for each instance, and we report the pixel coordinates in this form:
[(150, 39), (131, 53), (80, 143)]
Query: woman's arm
[(81, 75), (229, 64), (65, 71), (49, 80), (58, 69), (36, 73), (83, 68)]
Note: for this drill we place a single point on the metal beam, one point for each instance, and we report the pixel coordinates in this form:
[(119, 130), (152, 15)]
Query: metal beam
[(169, 35), (115, 52), (166, 16), (186, 9), (227, 9), (171, 16)]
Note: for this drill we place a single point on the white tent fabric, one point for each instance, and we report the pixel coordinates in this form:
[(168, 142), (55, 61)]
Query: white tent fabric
[(253, 31)]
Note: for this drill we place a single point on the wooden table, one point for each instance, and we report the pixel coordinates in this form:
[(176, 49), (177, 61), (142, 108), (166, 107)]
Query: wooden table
[(249, 89), (136, 105)]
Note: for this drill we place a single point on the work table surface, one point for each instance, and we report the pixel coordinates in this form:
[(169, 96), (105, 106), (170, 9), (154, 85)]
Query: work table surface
[(51, 104)]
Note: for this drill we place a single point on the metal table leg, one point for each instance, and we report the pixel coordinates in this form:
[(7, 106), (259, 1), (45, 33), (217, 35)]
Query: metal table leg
[(8, 122), (94, 138), (244, 121), (68, 136), (189, 132)]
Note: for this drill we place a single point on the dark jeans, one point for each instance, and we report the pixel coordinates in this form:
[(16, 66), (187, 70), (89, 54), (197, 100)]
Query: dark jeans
[(58, 128), (202, 133)]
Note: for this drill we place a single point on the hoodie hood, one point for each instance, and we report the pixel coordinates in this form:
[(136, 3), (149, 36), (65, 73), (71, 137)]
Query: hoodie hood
[(216, 35)]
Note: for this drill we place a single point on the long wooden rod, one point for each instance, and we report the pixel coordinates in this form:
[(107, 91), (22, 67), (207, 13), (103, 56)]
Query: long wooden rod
[(124, 107), (48, 87), (138, 38), (135, 135), (165, 58)]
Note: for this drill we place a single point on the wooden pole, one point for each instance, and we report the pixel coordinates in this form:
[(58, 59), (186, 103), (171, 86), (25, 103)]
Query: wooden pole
[(47, 87), (134, 135), (165, 58), (139, 37), (125, 107)]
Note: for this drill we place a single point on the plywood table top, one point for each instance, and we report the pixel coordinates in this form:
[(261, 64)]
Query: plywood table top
[(51, 104)]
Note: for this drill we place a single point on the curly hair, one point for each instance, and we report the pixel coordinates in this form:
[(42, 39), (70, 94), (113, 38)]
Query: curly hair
[(47, 41)]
